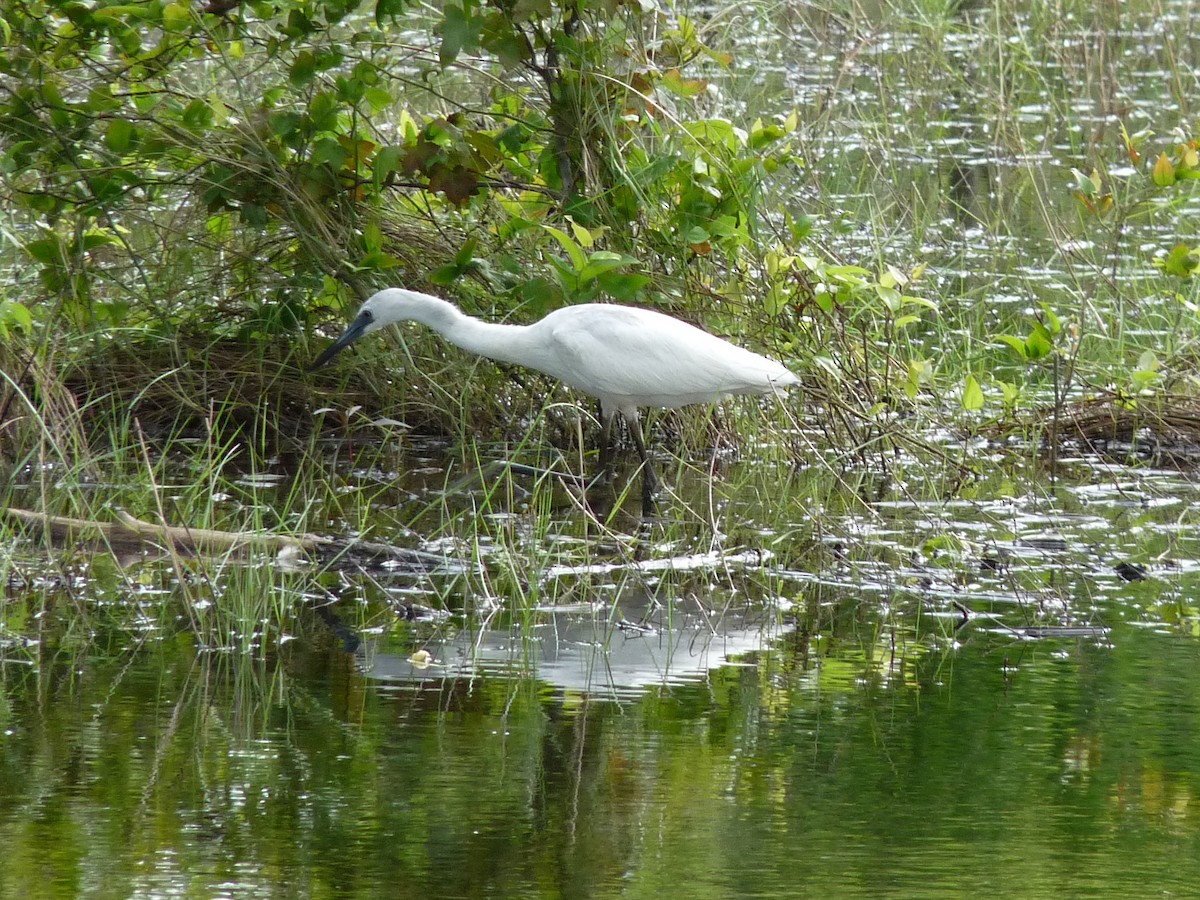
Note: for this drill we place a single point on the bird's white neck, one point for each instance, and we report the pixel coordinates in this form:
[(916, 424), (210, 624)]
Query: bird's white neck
[(503, 342)]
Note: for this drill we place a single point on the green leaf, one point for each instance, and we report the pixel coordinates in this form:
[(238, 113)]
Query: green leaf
[(523, 10), (460, 31), (254, 215), (541, 294), (328, 151), (52, 95), (379, 99), (1016, 343), (197, 116), (802, 226), (514, 226), (387, 161), (763, 135), (100, 100), (723, 226), (920, 373), (48, 251), (1084, 184), (1147, 369), (1012, 393), (90, 240), (14, 313), (1039, 343), (466, 253), (1181, 261), (890, 296), (350, 90), (912, 300), (388, 9), (586, 239), (623, 286), (1164, 171), (1051, 319), (112, 312), (716, 131), (775, 300), (119, 135), (578, 258), (1143, 379), (176, 17), (322, 111), (510, 45), (444, 276), (378, 260), (372, 236), (603, 261), (284, 123), (972, 395), (852, 275), (304, 68)]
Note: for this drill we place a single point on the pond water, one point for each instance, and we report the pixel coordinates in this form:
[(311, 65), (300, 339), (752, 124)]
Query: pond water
[(814, 677), (925, 699), (1060, 768)]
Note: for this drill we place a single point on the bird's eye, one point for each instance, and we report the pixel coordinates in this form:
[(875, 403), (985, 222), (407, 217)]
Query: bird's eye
[(368, 315)]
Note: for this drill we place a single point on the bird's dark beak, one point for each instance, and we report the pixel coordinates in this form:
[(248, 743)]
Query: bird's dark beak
[(349, 336)]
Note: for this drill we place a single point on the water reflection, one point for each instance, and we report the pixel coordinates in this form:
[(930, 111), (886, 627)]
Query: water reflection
[(1052, 767), (894, 693), (591, 651)]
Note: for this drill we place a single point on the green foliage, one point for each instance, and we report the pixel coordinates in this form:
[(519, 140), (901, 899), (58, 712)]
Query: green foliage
[(972, 394), (14, 316), (1039, 342), (294, 147), (242, 171)]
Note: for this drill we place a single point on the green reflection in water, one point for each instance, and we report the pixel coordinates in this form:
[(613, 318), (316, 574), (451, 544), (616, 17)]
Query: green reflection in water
[(1035, 768)]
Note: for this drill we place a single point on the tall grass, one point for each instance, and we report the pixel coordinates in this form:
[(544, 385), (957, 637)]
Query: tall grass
[(935, 134)]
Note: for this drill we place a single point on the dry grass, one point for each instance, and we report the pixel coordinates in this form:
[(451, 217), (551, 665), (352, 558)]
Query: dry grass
[(1164, 428)]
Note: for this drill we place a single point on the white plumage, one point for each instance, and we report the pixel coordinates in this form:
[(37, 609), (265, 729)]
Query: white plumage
[(623, 356)]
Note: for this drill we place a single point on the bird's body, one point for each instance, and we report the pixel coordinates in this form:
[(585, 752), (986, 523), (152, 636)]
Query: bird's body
[(623, 356)]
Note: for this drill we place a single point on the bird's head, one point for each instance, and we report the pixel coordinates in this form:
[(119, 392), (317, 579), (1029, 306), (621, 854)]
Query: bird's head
[(372, 315)]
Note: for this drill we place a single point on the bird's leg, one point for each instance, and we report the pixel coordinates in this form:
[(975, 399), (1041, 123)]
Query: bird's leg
[(598, 492), (649, 482), (606, 454)]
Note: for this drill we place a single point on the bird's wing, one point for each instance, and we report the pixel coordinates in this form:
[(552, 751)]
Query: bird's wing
[(636, 357)]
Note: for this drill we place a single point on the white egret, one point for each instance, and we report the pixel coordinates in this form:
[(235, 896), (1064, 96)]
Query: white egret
[(623, 356)]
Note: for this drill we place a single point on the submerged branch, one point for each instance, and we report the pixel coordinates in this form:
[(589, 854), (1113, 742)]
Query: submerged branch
[(127, 531)]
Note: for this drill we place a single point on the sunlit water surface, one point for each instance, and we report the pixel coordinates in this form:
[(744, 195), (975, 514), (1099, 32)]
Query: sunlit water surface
[(907, 697)]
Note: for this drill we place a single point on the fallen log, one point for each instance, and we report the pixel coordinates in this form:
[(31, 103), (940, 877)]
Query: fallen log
[(129, 531)]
